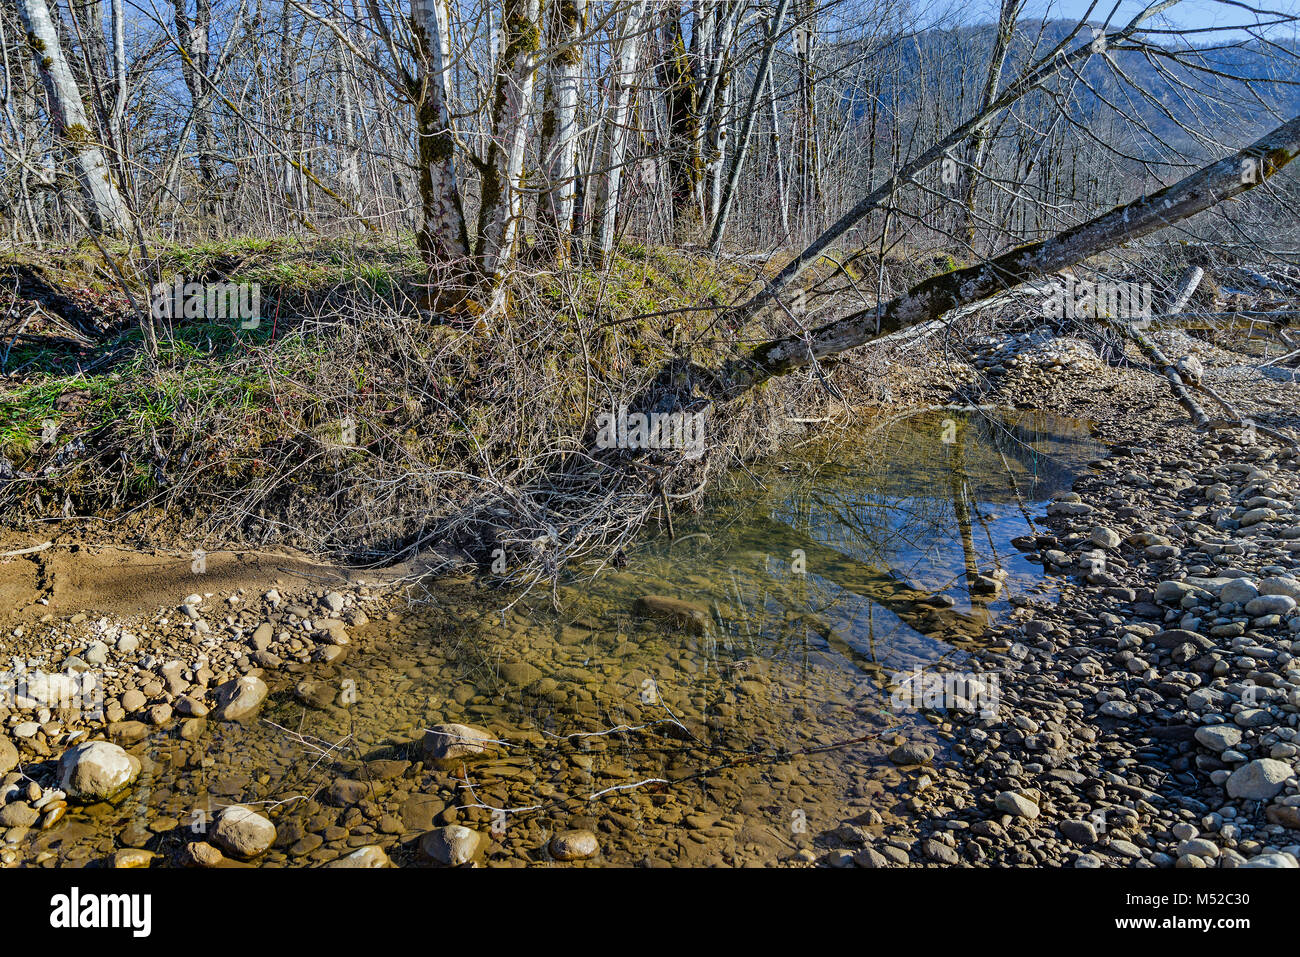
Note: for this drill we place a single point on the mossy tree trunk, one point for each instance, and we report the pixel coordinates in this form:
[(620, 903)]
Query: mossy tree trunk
[(681, 101), (567, 22), (512, 99), (106, 208), (443, 238), (940, 294)]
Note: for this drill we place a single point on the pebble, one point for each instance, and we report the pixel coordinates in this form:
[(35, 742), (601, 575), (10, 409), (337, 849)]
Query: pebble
[(574, 845), (242, 831), (1259, 780)]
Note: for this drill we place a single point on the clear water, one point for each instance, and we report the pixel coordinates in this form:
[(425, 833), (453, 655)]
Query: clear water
[(820, 583)]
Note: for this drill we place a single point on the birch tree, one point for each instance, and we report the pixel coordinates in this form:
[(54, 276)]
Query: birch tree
[(761, 77), (501, 199), (443, 238), (106, 209), (567, 23), (615, 132), (1056, 60)]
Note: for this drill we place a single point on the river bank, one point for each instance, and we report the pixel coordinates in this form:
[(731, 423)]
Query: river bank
[(1097, 755), (1148, 716)]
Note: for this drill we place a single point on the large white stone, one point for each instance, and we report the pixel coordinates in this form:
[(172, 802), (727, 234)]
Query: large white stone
[(96, 770), (1258, 780), (240, 830)]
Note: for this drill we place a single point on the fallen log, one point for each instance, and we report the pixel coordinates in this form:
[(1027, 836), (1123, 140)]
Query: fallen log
[(1162, 364), (941, 294)]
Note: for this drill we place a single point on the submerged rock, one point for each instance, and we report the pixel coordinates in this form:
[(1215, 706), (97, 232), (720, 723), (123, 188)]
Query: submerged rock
[(200, 854), (242, 831), (574, 845), (446, 742), (452, 845), (680, 614), (96, 771), (240, 698), (912, 754)]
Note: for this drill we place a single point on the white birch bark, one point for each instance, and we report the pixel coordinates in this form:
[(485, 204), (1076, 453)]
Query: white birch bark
[(119, 73), (618, 113), (106, 209), (747, 127), (560, 126), (443, 238), (502, 193)]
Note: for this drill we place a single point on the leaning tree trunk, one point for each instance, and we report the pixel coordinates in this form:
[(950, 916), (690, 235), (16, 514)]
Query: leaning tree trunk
[(1053, 62), (502, 181), (443, 238), (560, 126), (618, 113), (941, 294), (106, 209)]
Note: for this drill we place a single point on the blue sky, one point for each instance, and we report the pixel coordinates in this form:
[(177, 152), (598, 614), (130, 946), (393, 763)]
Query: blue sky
[(1193, 14)]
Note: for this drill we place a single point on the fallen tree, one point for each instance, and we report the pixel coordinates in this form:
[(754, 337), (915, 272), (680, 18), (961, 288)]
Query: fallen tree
[(941, 294)]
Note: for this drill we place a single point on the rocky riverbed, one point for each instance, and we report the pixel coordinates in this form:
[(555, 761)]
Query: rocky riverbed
[(1148, 714), (1148, 688)]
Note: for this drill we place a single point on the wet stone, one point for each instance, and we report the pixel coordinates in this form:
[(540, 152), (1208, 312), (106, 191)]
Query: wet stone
[(453, 845), (574, 845)]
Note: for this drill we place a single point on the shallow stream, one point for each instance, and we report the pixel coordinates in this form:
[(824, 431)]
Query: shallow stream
[(718, 737)]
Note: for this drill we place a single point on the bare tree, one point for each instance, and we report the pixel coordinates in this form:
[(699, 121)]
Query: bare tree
[(106, 209), (443, 237), (568, 22), (943, 293)]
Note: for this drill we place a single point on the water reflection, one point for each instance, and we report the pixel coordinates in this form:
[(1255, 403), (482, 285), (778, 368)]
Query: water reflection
[(713, 733)]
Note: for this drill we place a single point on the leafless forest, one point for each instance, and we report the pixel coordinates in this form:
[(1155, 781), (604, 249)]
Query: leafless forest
[(371, 364), (869, 166), (523, 133)]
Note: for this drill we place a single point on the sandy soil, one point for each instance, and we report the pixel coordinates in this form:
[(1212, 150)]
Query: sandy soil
[(71, 576)]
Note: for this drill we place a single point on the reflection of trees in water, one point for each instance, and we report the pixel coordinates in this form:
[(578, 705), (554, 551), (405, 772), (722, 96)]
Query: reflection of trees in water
[(899, 520), (907, 458)]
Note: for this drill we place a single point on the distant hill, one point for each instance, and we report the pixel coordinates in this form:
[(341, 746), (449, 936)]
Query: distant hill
[(952, 63)]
